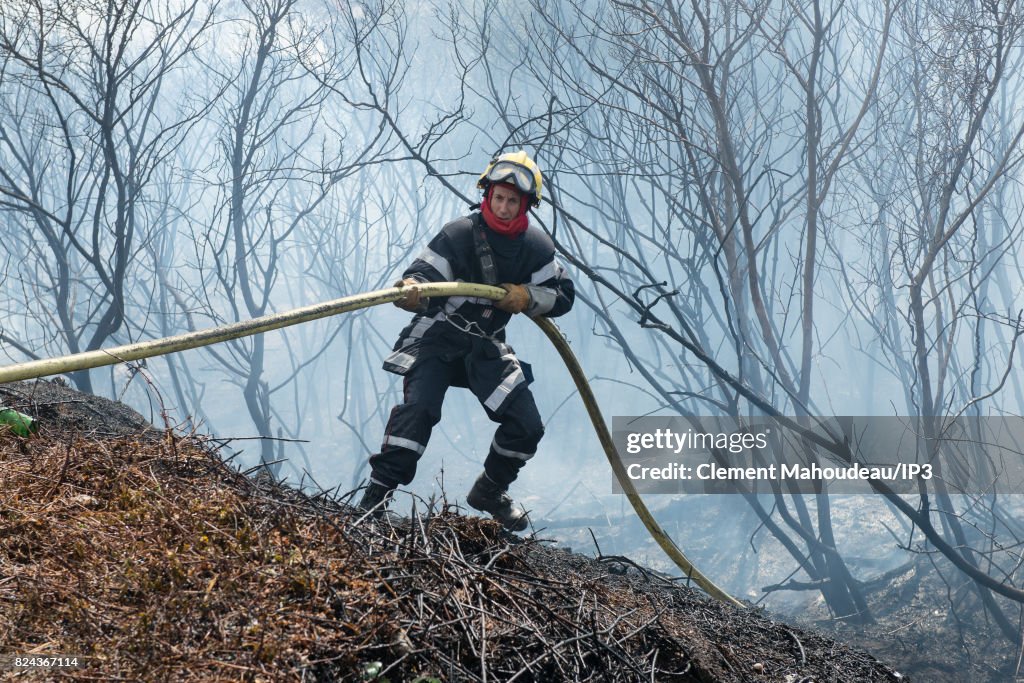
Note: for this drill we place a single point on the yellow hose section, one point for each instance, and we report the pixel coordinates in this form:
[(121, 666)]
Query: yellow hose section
[(653, 528), (192, 340)]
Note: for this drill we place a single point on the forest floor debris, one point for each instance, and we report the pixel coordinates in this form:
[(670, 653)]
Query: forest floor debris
[(152, 559)]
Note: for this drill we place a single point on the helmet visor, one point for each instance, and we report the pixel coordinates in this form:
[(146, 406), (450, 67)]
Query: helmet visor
[(520, 176)]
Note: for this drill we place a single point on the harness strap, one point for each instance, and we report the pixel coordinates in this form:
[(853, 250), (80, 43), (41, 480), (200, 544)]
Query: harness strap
[(484, 255)]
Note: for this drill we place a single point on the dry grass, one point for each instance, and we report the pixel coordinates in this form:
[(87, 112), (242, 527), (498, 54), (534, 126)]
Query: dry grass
[(153, 560)]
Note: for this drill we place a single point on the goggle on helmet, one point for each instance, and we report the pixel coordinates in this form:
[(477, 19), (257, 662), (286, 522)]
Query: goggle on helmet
[(518, 169)]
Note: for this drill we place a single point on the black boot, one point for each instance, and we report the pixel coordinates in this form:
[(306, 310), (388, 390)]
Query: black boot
[(488, 496), (376, 498)]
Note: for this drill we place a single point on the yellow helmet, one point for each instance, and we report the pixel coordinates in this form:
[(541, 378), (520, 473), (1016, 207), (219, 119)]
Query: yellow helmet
[(517, 168)]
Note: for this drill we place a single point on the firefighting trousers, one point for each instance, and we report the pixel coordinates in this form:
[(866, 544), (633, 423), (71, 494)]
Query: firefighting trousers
[(409, 426)]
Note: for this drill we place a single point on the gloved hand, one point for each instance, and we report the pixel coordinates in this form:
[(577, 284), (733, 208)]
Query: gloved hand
[(516, 301), (412, 295)]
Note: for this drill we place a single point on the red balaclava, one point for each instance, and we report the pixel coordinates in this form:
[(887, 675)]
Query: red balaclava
[(510, 228)]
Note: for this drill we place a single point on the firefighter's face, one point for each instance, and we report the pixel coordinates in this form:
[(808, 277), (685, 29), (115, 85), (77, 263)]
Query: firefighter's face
[(505, 201)]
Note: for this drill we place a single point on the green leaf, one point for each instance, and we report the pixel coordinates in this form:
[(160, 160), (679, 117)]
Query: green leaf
[(372, 670)]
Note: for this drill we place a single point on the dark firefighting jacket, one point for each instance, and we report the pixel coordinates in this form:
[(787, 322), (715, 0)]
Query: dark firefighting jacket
[(471, 328)]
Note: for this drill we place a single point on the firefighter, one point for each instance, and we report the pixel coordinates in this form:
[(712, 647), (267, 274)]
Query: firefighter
[(460, 341)]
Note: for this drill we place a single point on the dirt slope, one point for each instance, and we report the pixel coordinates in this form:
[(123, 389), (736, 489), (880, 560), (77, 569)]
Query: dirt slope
[(152, 560)]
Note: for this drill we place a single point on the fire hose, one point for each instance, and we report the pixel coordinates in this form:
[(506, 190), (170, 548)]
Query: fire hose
[(191, 340)]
